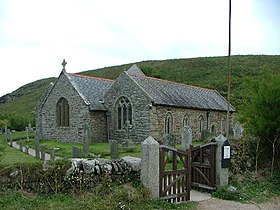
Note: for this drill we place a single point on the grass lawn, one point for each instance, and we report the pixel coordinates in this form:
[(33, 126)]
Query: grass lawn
[(120, 197), (13, 157)]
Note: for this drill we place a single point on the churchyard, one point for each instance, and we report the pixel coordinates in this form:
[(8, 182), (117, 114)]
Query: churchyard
[(109, 192)]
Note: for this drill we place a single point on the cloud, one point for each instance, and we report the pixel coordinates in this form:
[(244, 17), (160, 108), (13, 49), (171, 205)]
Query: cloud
[(36, 35)]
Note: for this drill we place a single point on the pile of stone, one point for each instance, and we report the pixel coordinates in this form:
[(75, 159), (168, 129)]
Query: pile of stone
[(101, 166)]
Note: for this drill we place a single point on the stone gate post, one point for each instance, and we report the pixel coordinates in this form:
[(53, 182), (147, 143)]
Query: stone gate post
[(150, 165), (222, 173)]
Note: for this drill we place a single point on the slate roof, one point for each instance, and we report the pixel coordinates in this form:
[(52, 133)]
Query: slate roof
[(164, 92), (91, 89)]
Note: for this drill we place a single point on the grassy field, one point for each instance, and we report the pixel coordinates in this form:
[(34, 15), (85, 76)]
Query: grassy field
[(65, 149), (104, 196), (13, 157), (121, 197)]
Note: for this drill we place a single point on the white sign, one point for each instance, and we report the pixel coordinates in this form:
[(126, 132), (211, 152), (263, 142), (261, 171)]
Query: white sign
[(226, 152)]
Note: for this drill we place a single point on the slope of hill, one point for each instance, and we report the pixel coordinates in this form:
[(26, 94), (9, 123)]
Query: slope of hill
[(209, 72)]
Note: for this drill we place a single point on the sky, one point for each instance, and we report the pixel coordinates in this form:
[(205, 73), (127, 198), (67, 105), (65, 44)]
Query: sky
[(36, 35)]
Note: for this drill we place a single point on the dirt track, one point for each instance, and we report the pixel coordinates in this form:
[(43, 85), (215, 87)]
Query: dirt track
[(218, 204)]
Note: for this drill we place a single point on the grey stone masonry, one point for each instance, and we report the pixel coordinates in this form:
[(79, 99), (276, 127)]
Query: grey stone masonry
[(186, 137), (222, 174), (150, 165), (79, 114), (140, 101)]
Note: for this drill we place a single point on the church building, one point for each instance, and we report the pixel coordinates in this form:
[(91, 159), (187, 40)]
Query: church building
[(134, 105)]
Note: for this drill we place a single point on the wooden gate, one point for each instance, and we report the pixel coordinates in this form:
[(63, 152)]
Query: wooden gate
[(174, 174), (203, 173)]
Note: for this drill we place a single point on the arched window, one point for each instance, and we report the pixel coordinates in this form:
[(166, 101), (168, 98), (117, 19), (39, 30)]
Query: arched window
[(62, 112), (124, 113), (168, 124), (200, 121), (186, 121)]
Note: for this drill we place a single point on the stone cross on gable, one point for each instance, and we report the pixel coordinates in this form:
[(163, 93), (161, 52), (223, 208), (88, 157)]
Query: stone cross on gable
[(63, 64)]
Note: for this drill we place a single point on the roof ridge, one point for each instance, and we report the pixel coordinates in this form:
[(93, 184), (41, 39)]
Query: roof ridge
[(168, 81), (91, 77)]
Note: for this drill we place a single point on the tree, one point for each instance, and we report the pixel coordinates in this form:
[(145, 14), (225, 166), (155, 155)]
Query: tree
[(261, 115)]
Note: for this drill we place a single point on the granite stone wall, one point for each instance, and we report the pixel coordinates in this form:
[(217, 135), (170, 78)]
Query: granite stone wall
[(79, 115), (215, 124)]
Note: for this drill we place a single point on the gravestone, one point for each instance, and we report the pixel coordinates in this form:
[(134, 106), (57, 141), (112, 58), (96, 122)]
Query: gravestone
[(237, 131), (128, 144), (37, 147), (29, 128), (26, 149), (169, 140), (20, 145), (43, 152), (114, 150), (87, 132), (27, 133), (6, 133), (52, 155), (186, 137), (10, 138), (76, 152)]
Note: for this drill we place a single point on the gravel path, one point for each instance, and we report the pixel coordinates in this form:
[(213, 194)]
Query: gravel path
[(218, 204)]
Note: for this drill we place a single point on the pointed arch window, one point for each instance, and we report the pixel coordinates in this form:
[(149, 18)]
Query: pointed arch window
[(168, 123), (62, 113), (124, 113), (201, 124)]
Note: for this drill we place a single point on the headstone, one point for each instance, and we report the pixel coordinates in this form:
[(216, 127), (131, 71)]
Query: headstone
[(76, 152), (27, 133), (37, 147), (29, 128), (87, 132), (237, 131), (128, 144), (52, 155), (150, 165), (6, 133), (186, 137), (128, 128), (26, 149), (10, 139), (169, 140), (20, 145), (114, 150), (43, 152)]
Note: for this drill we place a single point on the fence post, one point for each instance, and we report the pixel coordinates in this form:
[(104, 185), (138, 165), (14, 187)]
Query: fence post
[(150, 165), (222, 173)]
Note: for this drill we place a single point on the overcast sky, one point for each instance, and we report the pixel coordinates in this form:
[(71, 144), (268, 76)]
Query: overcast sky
[(36, 35)]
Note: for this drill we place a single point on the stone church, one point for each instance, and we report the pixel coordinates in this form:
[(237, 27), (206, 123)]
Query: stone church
[(134, 105)]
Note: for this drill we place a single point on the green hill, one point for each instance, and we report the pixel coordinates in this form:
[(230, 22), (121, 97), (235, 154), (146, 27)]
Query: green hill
[(209, 72)]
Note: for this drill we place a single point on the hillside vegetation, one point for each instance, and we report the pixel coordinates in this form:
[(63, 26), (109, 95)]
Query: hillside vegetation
[(209, 72)]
